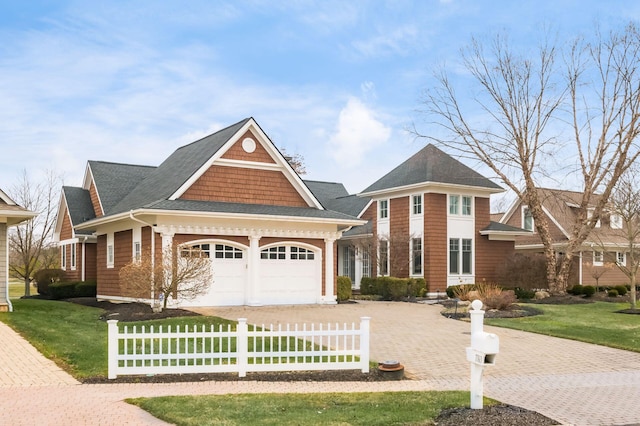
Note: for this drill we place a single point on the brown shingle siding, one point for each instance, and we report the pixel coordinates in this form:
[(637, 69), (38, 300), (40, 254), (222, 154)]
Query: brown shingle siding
[(399, 238), (93, 192), (435, 241), (243, 185), (236, 152)]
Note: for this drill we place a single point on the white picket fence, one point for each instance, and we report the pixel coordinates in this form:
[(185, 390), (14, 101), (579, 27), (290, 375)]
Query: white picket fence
[(138, 350)]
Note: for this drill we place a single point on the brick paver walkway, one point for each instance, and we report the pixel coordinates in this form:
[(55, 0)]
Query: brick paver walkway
[(572, 382)]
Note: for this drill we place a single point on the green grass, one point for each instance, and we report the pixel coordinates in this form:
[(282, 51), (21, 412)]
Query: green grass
[(592, 323), (388, 408), (16, 289), (72, 335)]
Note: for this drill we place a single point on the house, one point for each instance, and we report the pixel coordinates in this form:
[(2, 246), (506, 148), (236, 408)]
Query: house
[(10, 214), (232, 195), (429, 217), (595, 260), (272, 237)]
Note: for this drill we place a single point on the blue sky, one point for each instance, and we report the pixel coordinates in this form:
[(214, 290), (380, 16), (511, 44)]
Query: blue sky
[(337, 82)]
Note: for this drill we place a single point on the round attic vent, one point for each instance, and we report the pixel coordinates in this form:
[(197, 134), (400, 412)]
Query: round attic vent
[(249, 145)]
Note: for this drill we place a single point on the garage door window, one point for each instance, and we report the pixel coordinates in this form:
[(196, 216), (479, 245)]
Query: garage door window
[(227, 252), (299, 253), (287, 252), (278, 253)]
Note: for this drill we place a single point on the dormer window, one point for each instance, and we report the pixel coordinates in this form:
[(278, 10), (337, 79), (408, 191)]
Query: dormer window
[(616, 221)]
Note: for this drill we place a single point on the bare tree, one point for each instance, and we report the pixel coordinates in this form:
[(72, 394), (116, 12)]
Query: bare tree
[(597, 271), (533, 109), (29, 242), (181, 273), (626, 208), (296, 161)]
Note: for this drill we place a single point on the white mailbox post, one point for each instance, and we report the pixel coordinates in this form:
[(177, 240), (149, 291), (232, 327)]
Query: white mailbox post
[(482, 352)]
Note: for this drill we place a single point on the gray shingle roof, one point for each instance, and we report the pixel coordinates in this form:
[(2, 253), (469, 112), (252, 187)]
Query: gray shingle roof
[(502, 227), (325, 191), (176, 170), (359, 231), (115, 180), (430, 164), (223, 207), (79, 205), (334, 196)]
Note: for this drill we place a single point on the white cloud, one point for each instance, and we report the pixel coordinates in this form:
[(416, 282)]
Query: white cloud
[(358, 132)]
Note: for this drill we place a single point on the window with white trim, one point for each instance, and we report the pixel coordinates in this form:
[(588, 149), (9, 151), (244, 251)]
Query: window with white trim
[(110, 251), (460, 256), (137, 251), (287, 252), (590, 213), (73, 256), (416, 256), (366, 263), (454, 204), (63, 256), (527, 219), (223, 251), (467, 202), (616, 221), (274, 253), (621, 258), (299, 253), (416, 205), (347, 253), (598, 258), (383, 209)]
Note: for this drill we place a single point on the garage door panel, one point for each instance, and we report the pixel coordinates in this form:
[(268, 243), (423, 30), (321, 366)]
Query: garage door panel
[(290, 275)]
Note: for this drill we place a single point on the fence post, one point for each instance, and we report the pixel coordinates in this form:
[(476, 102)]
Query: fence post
[(242, 347), (112, 348), (364, 343)]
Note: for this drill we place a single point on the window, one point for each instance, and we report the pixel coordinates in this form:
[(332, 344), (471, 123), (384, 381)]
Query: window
[(384, 257), (384, 209), (110, 256), (527, 219), (466, 256), (454, 256), (137, 251), (274, 253), (416, 256), (73, 255), (621, 258), (366, 263), (417, 204), (466, 205), (299, 253), (616, 221), (598, 258), (63, 257), (347, 253), (460, 254), (454, 204), (223, 251)]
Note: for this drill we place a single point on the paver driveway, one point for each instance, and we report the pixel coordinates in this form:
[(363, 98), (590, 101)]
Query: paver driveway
[(573, 382)]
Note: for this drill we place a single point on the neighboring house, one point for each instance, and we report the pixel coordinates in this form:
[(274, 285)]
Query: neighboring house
[(605, 246), (232, 194), (10, 214), (429, 217)]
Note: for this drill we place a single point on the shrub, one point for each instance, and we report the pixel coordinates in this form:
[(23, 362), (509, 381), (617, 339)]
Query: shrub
[(621, 289), (524, 294), (576, 290), (462, 291), (612, 293), (498, 299), (88, 289), (45, 277), (588, 290), (368, 286), (526, 271), (417, 287), (62, 290), (344, 289)]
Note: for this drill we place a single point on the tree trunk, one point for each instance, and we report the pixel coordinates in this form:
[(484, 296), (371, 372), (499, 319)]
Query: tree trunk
[(27, 287), (632, 291)]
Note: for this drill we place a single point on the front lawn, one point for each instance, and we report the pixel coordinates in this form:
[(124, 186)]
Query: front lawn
[(72, 335), (389, 408), (592, 323)]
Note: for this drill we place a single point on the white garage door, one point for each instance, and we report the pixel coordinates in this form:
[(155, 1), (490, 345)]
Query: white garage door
[(290, 275), (229, 271)]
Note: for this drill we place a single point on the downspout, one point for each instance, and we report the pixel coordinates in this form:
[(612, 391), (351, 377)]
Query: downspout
[(153, 248), (84, 262)]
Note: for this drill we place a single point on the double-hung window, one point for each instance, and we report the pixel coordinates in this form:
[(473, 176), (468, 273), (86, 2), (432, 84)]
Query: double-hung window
[(598, 258), (416, 256), (460, 256), (621, 258), (454, 204), (383, 206), (384, 257), (527, 219), (416, 205), (73, 256), (63, 256), (466, 205)]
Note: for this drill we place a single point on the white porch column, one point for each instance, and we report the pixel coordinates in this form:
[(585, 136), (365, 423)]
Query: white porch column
[(329, 297), (253, 263)]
